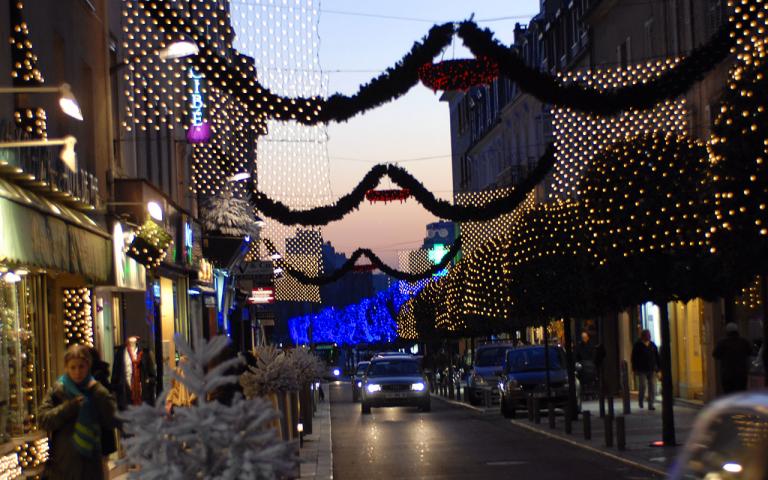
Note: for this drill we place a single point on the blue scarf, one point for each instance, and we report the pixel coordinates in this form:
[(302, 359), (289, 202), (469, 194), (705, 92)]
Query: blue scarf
[(87, 434)]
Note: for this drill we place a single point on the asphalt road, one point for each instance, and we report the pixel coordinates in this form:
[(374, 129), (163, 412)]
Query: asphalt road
[(452, 442)]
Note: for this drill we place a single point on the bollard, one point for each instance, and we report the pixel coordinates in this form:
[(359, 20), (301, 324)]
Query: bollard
[(536, 411), (458, 392), (621, 433), (625, 388), (451, 393), (602, 405), (608, 420), (551, 414), (610, 407), (587, 419), (568, 418)]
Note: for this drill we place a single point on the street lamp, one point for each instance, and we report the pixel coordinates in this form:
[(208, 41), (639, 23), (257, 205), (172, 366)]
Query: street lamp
[(155, 211), (67, 101), (238, 177), (179, 49)]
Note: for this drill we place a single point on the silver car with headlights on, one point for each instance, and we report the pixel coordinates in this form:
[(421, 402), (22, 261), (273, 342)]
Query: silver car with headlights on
[(395, 382)]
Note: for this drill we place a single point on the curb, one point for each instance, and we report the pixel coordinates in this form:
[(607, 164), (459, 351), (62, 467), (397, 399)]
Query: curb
[(465, 405), (599, 451)]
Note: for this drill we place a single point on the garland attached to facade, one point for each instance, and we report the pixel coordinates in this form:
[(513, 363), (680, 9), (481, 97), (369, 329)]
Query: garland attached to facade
[(326, 214)]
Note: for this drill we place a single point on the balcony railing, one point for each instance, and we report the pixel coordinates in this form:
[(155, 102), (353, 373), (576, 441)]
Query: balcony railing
[(40, 169)]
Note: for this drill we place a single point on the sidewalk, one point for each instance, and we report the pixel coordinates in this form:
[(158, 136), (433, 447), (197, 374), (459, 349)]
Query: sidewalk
[(316, 456), (643, 427)]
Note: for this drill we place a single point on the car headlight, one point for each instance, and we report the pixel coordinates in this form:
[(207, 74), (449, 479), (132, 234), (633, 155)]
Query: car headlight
[(336, 372), (359, 384), (418, 387), (373, 387)]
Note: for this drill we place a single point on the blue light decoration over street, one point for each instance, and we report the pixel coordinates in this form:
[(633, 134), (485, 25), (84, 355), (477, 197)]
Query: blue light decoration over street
[(372, 320), (199, 130)]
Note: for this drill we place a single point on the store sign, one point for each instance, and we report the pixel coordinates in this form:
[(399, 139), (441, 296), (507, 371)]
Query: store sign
[(199, 130), (128, 272), (262, 295), (188, 242)]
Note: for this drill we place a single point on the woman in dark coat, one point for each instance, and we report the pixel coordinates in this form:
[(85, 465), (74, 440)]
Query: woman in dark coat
[(74, 413)]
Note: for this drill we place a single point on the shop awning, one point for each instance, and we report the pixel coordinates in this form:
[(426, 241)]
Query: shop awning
[(37, 232)]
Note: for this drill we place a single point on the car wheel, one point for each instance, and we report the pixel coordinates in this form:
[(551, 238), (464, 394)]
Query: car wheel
[(365, 408)]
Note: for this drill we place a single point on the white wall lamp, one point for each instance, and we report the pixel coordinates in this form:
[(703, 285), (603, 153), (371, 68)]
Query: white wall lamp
[(67, 101), (179, 49)]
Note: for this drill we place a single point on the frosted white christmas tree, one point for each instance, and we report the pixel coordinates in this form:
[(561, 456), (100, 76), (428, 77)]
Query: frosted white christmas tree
[(229, 215), (209, 440)]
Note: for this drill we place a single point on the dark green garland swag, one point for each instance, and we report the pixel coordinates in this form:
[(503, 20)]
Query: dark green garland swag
[(349, 266), (399, 79)]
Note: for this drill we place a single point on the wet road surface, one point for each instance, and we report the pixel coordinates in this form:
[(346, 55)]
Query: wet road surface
[(453, 443)]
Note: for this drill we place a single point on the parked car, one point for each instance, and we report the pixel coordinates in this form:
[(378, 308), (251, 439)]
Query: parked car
[(728, 441), (357, 379), (391, 354), (488, 365), (395, 381), (524, 376)]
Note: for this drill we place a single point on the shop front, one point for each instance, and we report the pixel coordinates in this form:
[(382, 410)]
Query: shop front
[(51, 258)]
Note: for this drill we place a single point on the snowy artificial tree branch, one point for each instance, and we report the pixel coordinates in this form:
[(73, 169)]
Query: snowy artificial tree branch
[(209, 440), (273, 373), (229, 215)]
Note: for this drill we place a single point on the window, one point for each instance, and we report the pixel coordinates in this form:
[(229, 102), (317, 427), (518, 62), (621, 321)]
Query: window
[(624, 53), (22, 368), (648, 34)]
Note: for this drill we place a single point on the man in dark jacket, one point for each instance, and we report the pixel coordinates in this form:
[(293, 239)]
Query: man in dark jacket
[(585, 353), (645, 364), (733, 352)]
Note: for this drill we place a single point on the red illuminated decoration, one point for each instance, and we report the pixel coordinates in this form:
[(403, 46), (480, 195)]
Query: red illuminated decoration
[(459, 74), (364, 268), (385, 196), (262, 295)]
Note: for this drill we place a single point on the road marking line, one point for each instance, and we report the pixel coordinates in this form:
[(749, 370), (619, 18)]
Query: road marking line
[(462, 404), (590, 448)]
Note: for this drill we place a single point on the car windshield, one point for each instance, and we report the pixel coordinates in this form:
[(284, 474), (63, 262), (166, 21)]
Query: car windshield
[(489, 357), (389, 368), (531, 359), (361, 368)]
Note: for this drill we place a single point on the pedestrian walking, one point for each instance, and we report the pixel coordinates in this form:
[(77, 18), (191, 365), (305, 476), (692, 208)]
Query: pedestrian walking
[(733, 352), (585, 353), (75, 412), (645, 364), (100, 373)]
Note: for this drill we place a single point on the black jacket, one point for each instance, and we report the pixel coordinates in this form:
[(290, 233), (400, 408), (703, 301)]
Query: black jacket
[(645, 359), (100, 371), (148, 378), (733, 352)]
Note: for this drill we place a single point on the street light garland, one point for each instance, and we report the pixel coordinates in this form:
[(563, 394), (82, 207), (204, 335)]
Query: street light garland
[(349, 266), (739, 150), (440, 208), (396, 81)]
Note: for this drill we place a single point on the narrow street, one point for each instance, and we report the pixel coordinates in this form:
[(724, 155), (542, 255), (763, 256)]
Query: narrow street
[(451, 443)]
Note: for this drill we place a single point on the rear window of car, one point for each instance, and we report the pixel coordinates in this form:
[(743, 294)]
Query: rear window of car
[(385, 368), (532, 359), (489, 357)]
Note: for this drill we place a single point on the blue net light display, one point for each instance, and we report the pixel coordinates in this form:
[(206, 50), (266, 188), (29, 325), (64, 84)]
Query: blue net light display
[(372, 320)]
